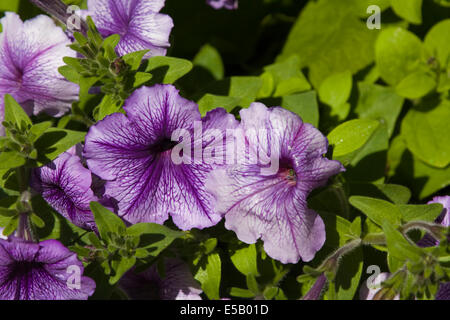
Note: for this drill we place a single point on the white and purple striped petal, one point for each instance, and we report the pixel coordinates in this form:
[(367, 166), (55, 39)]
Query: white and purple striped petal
[(66, 185), (273, 206), (138, 22), (133, 153), (41, 271), (227, 4), (30, 54)]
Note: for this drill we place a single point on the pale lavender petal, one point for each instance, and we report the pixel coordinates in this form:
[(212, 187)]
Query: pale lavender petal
[(138, 22), (227, 4), (368, 291), (177, 283), (66, 185), (272, 205), (30, 54), (443, 219)]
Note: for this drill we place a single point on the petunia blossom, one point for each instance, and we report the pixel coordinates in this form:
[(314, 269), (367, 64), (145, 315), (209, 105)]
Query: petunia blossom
[(176, 284), (133, 153), (227, 4), (41, 271), (138, 22), (272, 205), (66, 185), (30, 54)]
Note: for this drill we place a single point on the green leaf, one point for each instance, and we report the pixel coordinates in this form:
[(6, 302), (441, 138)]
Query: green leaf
[(349, 275), (11, 226), (107, 106), (14, 113), (134, 59), (241, 293), (424, 212), (426, 133), (377, 210), (416, 85), (167, 69), (153, 237), (38, 129), (107, 222), (392, 192), (252, 284), (70, 73), (11, 160), (335, 91), (124, 264), (141, 78), (10, 5), (379, 103), (209, 275), (407, 167), (351, 136), (398, 53), (398, 246), (209, 58), (245, 88), (287, 77), (304, 104), (55, 141), (410, 10), (329, 37), (210, 102), (437, 42), (245, 260)]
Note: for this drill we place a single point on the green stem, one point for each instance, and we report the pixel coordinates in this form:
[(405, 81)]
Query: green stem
[(374, 239)]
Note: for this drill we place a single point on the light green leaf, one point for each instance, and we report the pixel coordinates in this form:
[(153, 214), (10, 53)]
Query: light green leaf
[(437, 42), (241, 293), (379, 103), (377, 210), (245, 260), (329, 37), (426, 133), (167, 69), (335, 89), (134, 59), (398, 53), (210, 102), (209, 58), (154, 237), (287, 77), (415, 85), (38, 129), (398, 246), (55, 141), (11, 160), (425, 212), (123, 265), (10, 5), (304, 104), (209, 275), (351, 136), (107, 106), (410, 10), (107, 222), (14, 112), (423, 179)]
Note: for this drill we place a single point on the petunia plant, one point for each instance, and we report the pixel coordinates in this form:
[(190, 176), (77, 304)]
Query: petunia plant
[(165, 150)]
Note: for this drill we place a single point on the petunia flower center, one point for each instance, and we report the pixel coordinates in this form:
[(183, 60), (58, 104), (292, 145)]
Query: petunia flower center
[(163, 145), (287, 172)]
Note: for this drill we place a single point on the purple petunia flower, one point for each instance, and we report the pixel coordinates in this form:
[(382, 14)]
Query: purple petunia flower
[(30, 54), (227, 4), (138, 22), (177, 283), (41, 271), (66, 185), (134, 154), (272, 206)]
